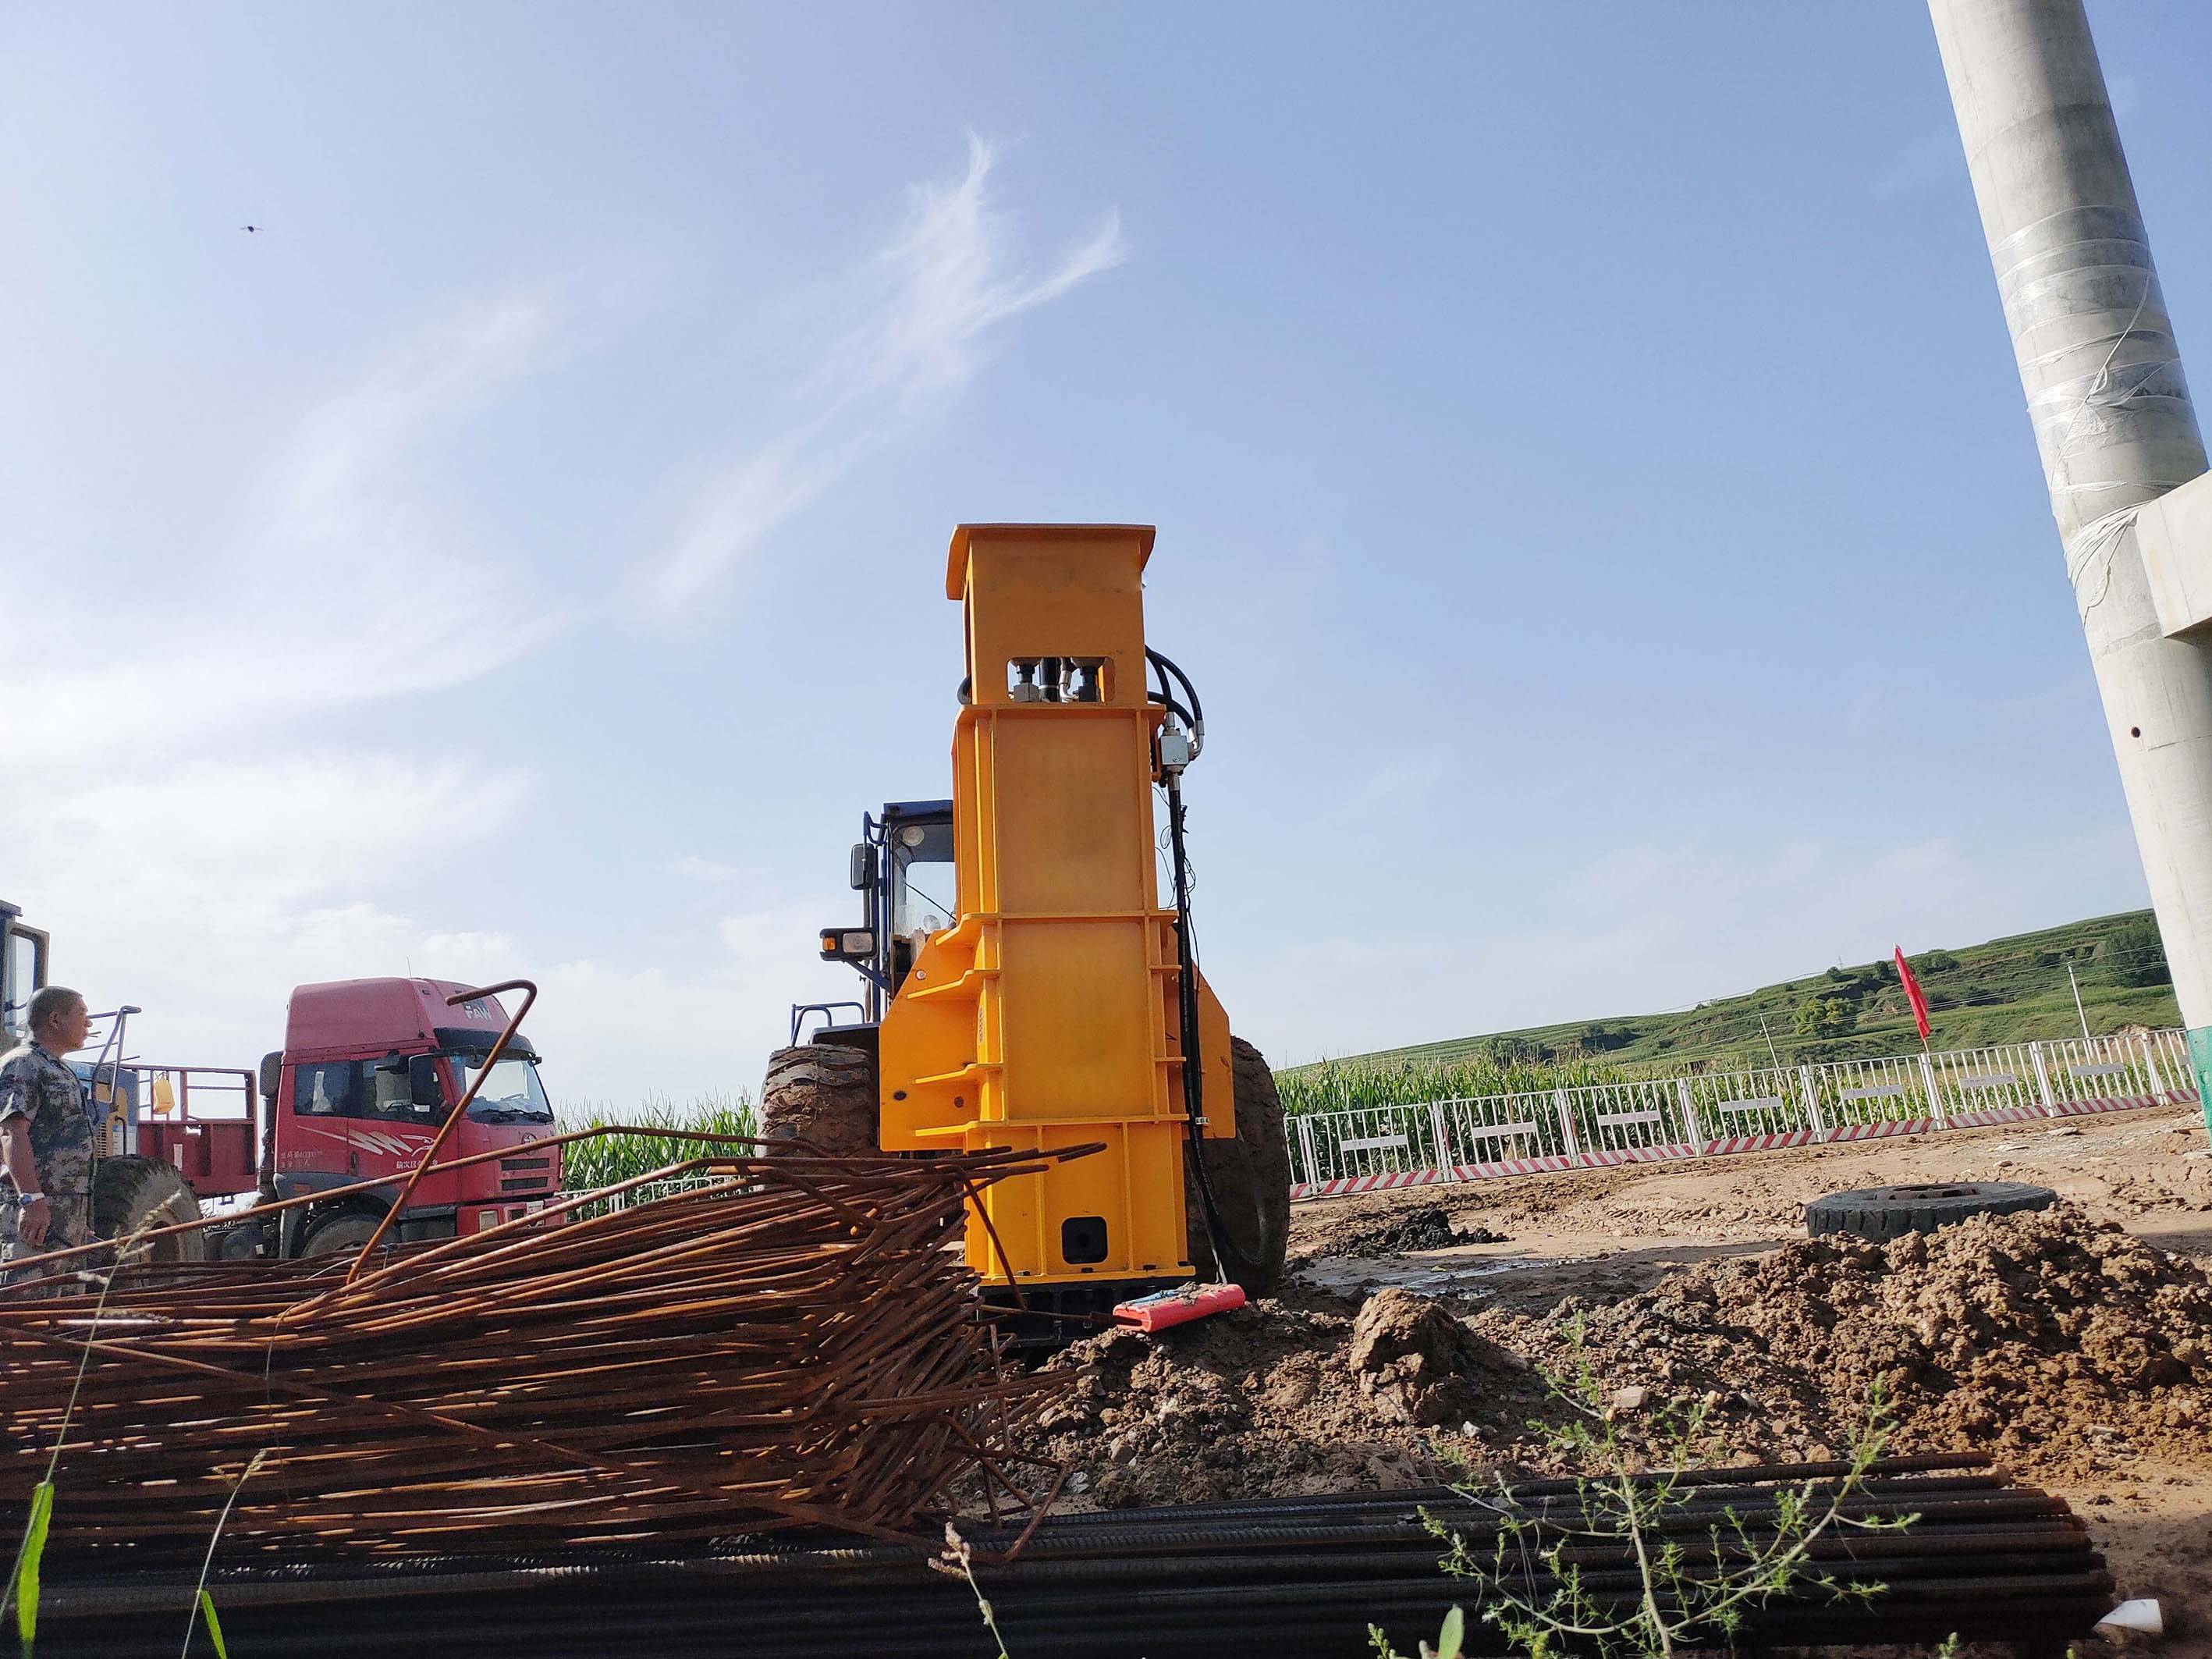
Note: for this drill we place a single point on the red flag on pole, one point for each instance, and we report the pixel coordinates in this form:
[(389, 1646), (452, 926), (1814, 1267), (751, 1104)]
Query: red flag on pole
[(1912, 992)]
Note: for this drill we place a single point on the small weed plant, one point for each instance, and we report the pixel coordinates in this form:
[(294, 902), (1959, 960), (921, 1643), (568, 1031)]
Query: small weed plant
[(958, 1558), (1694, 1580)]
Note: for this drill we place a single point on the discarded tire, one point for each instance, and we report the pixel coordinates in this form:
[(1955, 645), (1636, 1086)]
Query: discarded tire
[(823, 1094), (1880, 1213), (131, 1194), (1251, 1175)]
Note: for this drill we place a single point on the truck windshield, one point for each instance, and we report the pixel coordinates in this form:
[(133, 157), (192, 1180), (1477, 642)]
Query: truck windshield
[(512, 1094)]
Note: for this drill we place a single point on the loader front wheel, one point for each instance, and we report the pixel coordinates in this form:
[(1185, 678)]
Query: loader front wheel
[(135, 1194), (823, 1094), (1251, 1175)]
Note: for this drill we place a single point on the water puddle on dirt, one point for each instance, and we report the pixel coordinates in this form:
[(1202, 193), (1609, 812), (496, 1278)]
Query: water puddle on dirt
[(1359, 1274)]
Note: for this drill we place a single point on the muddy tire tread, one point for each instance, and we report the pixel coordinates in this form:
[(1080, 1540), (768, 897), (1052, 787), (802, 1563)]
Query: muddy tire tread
[(1251, 1174), (824, 1094), (126, 1188)]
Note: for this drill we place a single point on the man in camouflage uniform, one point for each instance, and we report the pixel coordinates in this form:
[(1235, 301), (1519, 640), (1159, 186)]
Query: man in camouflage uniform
[(45, 1139)]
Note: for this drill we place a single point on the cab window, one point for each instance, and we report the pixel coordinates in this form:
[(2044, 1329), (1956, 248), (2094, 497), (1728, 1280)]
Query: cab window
[(511, 1094), (922, 879), (390, 1096), (331, 1088)]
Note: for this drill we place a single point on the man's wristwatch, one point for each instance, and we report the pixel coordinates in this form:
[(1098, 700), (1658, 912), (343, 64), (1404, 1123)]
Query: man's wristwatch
[(30, 1198)]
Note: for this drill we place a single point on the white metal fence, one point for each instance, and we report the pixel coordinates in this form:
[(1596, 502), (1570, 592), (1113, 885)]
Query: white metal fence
[(645, 1192), (1717, 1113)]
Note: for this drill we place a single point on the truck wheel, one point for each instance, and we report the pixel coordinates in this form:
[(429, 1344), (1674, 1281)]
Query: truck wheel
[(1251, 1175), (245, 1242), (347, 1230), (1885, 1212), (129, 1193), (823, 1094)]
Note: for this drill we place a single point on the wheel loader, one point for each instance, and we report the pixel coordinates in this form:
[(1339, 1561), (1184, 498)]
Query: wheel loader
[(1024, 986)]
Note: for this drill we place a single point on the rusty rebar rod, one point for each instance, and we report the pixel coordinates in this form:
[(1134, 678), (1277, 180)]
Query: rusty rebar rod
[(788, 1343)]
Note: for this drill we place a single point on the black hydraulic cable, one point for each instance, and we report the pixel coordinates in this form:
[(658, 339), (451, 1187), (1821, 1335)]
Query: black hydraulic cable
[(1229, 1262), (1166, 668), (1168, 702)]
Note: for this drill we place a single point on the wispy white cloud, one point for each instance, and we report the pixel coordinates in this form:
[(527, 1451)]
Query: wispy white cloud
[(203, 892), (353, 572), (340, 588), (711, 1028), (928, 307), (202, 889), (338, 483)]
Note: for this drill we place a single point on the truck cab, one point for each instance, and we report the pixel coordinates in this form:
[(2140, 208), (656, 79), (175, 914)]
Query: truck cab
[(369, 1071)]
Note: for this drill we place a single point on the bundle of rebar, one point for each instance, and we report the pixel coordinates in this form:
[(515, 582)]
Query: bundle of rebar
[(786, 1343), (1985, 1559)]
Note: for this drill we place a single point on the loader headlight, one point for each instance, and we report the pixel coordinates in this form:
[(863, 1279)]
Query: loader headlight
[(847, 943)]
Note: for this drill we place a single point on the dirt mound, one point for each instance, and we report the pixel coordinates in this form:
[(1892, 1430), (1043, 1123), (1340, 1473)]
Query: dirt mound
[(2063, 1346), (1418, 1364), (2056, 1342), (1272, 1399), (1402, 1233)]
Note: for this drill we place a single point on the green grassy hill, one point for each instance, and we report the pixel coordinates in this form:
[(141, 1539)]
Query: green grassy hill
[(2008, 990)]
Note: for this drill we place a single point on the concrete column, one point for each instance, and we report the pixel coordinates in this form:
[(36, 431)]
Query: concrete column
[(2112, 414)]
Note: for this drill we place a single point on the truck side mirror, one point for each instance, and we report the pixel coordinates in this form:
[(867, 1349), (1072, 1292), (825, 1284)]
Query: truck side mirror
[(861, 869), (272, 1068), (426, 1086)]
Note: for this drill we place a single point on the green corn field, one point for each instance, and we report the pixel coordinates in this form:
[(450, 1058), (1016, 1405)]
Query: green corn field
[(608, 1158), (1340, 1085), (1328, 1085)]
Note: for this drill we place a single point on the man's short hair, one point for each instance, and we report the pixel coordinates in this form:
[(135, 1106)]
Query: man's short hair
[(50, 1003)]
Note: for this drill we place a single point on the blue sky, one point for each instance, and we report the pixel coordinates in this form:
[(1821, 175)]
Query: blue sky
[(1593, 490)]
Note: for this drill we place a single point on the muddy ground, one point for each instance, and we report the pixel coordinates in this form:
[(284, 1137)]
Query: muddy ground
[(1412, 1339)]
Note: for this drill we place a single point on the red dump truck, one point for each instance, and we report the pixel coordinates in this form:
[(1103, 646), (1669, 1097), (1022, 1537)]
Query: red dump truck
[(369, 1070)]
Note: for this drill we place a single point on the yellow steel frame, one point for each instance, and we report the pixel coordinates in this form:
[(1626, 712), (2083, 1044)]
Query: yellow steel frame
[(1048, 1015)]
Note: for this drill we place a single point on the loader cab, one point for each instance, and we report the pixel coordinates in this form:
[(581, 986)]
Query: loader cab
[(23, 971), (903, 867)]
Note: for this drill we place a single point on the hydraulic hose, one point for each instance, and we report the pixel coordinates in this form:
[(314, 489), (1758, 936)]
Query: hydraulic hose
[(1229, 1262)]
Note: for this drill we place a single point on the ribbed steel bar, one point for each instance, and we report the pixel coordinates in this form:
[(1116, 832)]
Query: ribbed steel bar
[(1305, 1576), (787, 1344)]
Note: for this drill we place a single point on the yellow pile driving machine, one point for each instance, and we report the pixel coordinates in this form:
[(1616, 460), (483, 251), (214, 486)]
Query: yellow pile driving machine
[(1024, 986)]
